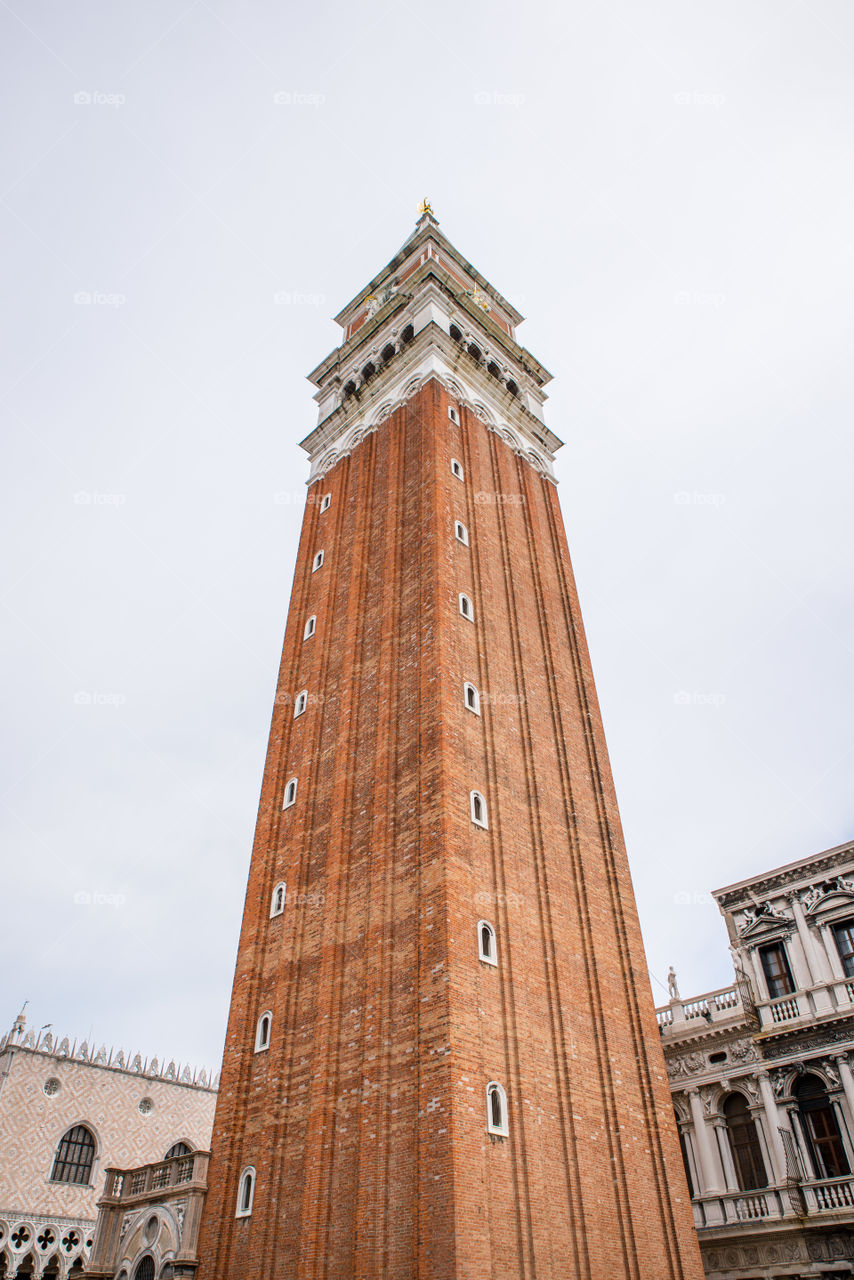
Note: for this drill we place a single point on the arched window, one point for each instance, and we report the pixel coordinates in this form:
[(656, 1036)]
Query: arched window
[(466, 607), (300, 702), (310, 627), (820, 1128), (368, 371), (461, 533), (496, 1108), (349, 389), (456, 334), (262, 1032), (245, 1193), (317, 562), (388, 353), (744, 1144), (475, 352), (144, 1268), (478, 809), (280, 894), (74, 1157), (457, 469), (486, 946), (177, 1149), (290, 794), (408, 334), (493, 368), (512, 387), (472, 698), (325, 502)]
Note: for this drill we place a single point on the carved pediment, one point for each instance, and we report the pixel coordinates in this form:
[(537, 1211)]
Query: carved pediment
[(763, 921), (839, 894)]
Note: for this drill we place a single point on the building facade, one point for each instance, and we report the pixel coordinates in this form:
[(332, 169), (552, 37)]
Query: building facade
[(67, 1111), (761, 1077), (441, 1058)]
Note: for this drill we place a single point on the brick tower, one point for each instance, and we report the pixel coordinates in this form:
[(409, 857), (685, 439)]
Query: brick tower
[(442, 1061)]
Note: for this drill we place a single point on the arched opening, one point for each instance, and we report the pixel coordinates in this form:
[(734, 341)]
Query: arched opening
[(820, 1128), (144, 1268), (277, 905), (512, 387), (496, 1108), (246, 1193), (456, 333), (475, 352), (478, 809), (349, 389), (493, 368), (472, 698), (74, 1157), (368, 371), (466, 607), (486, 948), (744, 1144), (388, 353), (290, 794), (262, 1033), (177, 1149)]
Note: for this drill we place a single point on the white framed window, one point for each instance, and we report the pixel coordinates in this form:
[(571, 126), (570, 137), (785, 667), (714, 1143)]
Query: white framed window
[(317, 561), (457, 469), (290, 794), (461, 533), (466, 607), (496, 1109), (478, 810), (453, 415), (262, 1032), (310, 627), (325, 502), (280, 897), (487, 949), (245, 1193), (300, 702), (472, 698)]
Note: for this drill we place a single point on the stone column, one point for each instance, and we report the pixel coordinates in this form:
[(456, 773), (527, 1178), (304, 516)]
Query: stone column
[(814, 956), (832, 953), (772, 1127), (707, 1156)]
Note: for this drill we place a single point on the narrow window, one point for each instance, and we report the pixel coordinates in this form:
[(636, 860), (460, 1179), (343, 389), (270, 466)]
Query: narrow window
[(466, 607), (246, 1193), (472, 698), (775, 966), (744, 1144), (280, 894), (486, 948), (74, 1157), (457, 469), (325, 502), (844, 934), (300, 702), (262, 1034), (408, 334), (455, 334), (478, 810), (290, 794), (496, 1109), (388, 353), (310, 627), (454, 416), (461, 533), (512, 387), (317, 562)]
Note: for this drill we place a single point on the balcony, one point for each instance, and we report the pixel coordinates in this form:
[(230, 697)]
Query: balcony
[(826, 1198), (149, 1181), (723, 1005), (807, 1005)]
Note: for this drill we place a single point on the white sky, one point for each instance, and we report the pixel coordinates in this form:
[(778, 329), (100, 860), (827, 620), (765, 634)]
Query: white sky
[(665, 190)]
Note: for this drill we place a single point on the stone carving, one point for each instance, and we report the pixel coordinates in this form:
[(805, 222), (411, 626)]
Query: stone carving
[(744, 1051), (672, 985), (761, 911), (686, 1064)]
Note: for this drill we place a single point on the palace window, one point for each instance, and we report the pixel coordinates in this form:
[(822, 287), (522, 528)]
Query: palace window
[(486, 946), (290, 794), (493, 368), (280, 894), (461, 533), (456, 468), (820, 1128), (317, 562), (496, 1109), (478, 809), (74, 1157), (744, 1144), (300, 702), (475, 352), (310, 627), (145, 1269), (466, 607), (262, 1033), (472, 698), (325, 502), (844, 934), (177, 1149), (246, 1193), (775, 966)]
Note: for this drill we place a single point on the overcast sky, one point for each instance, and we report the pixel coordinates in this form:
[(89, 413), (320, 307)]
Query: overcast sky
[(190, 191)]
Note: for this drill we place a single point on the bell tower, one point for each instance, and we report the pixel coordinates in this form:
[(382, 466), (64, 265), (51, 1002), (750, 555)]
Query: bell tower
[(442, 1060)]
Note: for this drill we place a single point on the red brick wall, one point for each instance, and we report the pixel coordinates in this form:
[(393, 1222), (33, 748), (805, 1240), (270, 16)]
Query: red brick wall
[(366, 1118)]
